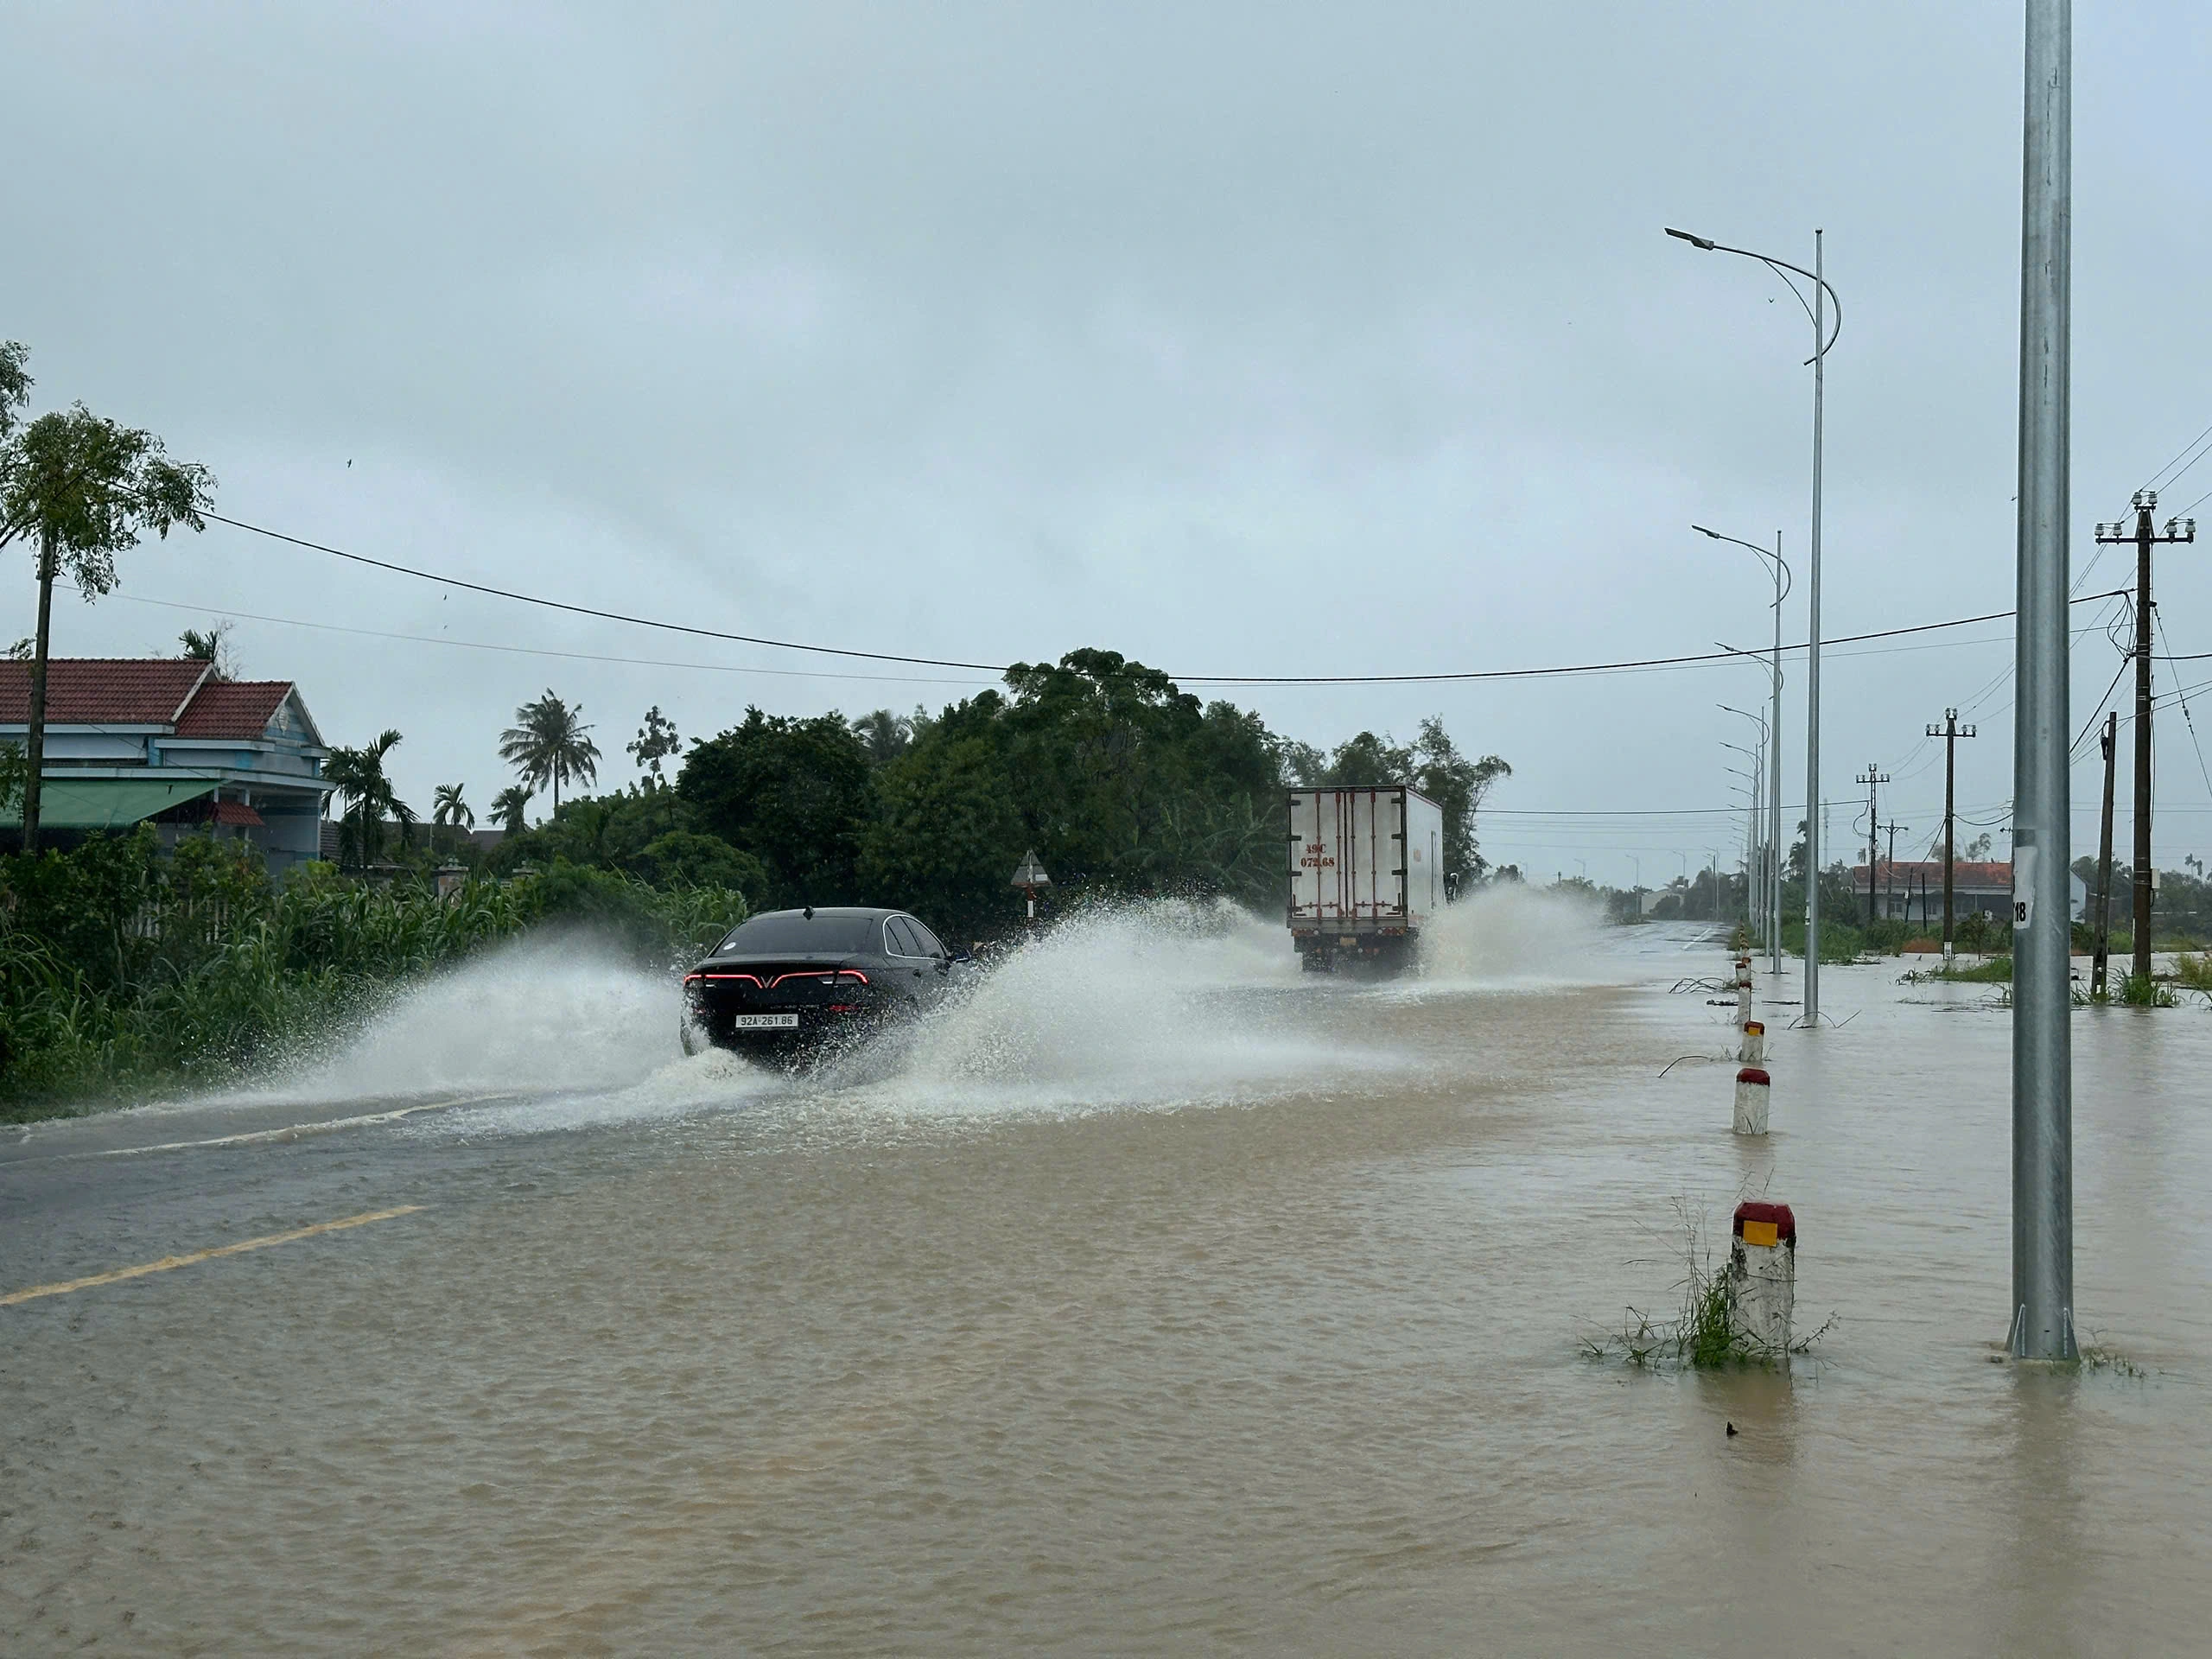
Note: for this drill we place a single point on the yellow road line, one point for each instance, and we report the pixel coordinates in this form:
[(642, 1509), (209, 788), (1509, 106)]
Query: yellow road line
[(168, 1261)]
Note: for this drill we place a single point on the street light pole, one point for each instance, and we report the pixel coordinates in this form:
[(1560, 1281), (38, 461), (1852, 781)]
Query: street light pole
[(1782, 582), (1824, 340), (1774, 786), (1760, 884), (2041, 1324)]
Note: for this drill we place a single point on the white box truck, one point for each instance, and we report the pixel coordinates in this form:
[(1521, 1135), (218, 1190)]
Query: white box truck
[(1366, 875)]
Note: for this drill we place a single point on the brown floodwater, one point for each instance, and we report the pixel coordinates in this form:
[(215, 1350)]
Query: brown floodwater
[(1156, 1300)]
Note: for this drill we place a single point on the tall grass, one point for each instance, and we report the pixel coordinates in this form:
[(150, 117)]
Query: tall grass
[(125, 970)]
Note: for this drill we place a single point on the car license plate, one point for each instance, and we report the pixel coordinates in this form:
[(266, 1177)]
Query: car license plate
[(766, 1022)]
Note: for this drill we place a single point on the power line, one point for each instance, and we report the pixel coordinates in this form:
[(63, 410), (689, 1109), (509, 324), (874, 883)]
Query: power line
[(2187, 718), (541, 650), (587, 610), (2165, 475), (1189, 679)]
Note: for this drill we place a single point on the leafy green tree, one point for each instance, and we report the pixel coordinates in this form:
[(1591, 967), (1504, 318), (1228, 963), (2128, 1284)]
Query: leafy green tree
[(509, 807), (654, 743), (1122, 782), (370, 798), (548, 745), (646, 831), (1367, 762), (1459, 786), (951, 832), (450, 811), (81, 489), (684, 858), (794, 793)]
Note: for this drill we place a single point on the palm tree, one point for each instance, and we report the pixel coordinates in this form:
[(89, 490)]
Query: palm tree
[(450, 811), (213, 646), (369, 795), (547, 744), (508, 807)]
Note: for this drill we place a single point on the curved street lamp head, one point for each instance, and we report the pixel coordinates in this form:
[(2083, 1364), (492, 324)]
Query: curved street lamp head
[(1787, 578), (1707, 244)]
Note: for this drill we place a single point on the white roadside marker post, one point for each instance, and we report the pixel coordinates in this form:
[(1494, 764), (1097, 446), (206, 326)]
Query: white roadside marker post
[(1752, 1085), (1762, 1276), (1752, 1050), (1743, 991)]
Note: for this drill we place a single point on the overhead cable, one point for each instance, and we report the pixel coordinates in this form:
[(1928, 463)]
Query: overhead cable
[(1189, 679)]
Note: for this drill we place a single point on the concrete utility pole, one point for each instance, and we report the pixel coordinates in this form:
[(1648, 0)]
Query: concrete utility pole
[(1890, 875), (1873, 778), (2098, 962), (2041, 1324), (2145, 538), (1950, 731)]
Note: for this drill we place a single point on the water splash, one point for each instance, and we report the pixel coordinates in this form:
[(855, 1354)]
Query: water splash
[(1158, 1005), (1517, 937), (537, 1016)]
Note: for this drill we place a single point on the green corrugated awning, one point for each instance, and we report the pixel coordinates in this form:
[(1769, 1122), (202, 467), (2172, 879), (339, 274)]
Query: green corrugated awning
[(106, 803)]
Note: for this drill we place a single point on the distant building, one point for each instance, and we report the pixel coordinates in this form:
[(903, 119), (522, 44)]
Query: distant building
[(1914, 892), (130, 740), (436, 837)]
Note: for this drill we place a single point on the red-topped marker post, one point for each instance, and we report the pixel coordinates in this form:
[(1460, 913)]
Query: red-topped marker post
[(1751, 1087)]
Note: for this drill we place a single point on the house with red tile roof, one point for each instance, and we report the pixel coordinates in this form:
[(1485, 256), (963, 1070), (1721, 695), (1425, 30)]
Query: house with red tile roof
[(1913, 892), (131, 740)]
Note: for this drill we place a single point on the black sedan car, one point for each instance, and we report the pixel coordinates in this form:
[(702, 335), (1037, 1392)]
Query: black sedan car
[(785, 982)]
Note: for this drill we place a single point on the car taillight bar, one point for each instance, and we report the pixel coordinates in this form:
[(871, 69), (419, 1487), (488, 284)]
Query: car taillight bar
[(748, 978), (827, 976)]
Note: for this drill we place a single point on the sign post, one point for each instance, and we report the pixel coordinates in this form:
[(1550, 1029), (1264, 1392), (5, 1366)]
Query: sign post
[(1029, 876)]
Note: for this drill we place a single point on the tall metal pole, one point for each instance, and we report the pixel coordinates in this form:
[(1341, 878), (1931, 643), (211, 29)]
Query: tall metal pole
[(1774, 784), (1811, 1015), (1822, 340), (2042, 1323)]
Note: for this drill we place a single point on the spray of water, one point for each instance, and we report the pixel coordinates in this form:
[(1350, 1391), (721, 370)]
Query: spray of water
[(1159, 1005), (549, 1014), (1512, 937)]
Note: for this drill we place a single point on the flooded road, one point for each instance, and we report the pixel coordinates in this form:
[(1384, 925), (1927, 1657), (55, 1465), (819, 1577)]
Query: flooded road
[(1155, 1301)]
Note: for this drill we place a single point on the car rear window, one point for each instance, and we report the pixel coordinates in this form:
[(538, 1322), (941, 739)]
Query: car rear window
[(793, 933)]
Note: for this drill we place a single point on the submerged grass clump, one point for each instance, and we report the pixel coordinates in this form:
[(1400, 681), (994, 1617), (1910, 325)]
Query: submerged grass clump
[(1997, 970), (2097, 1355)]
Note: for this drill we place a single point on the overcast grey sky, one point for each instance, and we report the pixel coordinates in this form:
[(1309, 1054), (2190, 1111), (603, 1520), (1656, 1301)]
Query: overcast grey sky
[(1238, 339)]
